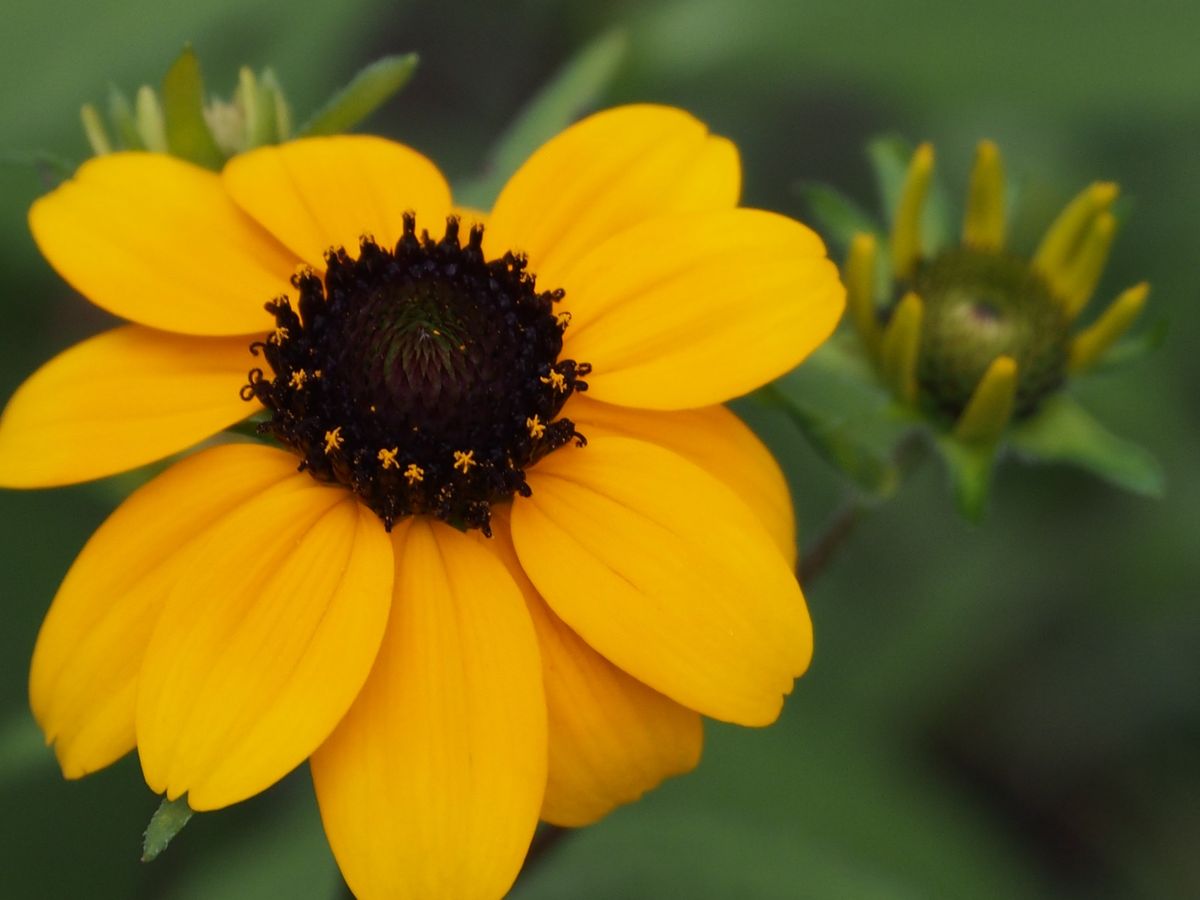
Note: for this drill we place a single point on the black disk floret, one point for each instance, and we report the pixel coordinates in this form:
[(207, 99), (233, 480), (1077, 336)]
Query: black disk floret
[(426, 379)]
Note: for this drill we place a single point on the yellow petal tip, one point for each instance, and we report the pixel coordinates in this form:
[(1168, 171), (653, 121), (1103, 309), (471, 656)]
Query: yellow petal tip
[(991, 406)]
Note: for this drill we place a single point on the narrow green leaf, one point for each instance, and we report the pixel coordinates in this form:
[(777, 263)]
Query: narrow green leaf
[(188, 134), (1063, 431), (889, 157), (167, 821), (970, 469), (836, 216), (573, 90), (366, 92)]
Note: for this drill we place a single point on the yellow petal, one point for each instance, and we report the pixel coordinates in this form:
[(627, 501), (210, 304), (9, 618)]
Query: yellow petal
[(431, 785), (607, 173), (696, 309), (860, 289), (119, 400), (325, 192), (1064, 236), (1091, 343), (984, 222), (666, 572), (157, 240), (714, 439), (611, 737), (264, 643), (1076, 283), (83, 682), (991, 405), (900, 346), (906, 229)]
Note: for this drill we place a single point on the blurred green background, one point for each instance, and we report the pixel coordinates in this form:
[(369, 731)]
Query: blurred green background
[(1003, 711)]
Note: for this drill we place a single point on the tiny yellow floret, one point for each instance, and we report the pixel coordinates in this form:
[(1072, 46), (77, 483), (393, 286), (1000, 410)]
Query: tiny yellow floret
[(414, 473), (279, 335), (299, 377), (555, 378), (464, 461), (333, 439), (388, 458), (535, 426)]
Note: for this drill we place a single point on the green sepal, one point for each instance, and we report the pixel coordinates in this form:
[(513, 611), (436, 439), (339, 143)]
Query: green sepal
[(257, 99), (1131, 349), (120, 112), (969, 466), (1063, 431), (836, 216), (890, 157), (367, 91), (847, 417), (574, 89), (188, 134), (168, 820), (282, 111)]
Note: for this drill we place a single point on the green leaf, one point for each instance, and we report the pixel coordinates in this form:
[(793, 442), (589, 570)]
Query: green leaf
[(167, 821), (889, 157), (837, 217), (573, 90), (850, 420), (188, 135), (1063, 431), (970, 469), (369, 90), (1132, 348)]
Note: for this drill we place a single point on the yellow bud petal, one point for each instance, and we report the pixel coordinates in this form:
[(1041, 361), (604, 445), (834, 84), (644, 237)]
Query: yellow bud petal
[(860, 288), (991, 405), (901, 341), (984, 224), (906, 230), (1091, 343)]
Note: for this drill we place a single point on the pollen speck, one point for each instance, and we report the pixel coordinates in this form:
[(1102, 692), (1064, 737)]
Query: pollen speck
[(556, 379), (388, 458)]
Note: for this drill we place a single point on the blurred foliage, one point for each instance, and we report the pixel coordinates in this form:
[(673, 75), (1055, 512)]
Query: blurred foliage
[(1003, 711)]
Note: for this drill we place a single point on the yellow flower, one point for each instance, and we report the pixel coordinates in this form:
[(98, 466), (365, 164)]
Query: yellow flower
[(235, 617)]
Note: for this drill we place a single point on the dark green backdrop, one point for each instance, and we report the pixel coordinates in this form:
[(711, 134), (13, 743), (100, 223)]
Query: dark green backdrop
[(1009, 710)]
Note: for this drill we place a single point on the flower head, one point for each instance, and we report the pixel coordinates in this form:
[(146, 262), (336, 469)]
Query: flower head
[(976, 342), (549, 374)]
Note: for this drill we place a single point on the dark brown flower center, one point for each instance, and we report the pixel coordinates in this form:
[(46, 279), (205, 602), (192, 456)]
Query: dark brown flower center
[(425, 378)]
